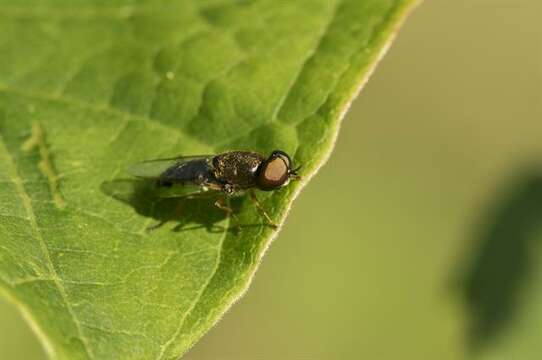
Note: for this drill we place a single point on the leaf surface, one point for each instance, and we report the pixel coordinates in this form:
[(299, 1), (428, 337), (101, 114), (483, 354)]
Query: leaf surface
[(90, 87)]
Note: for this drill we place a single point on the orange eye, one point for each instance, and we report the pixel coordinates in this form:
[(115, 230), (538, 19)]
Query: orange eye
[(273, 174)]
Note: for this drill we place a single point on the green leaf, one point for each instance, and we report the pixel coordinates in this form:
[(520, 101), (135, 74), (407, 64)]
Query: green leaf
[(501, 286), (89, 87)]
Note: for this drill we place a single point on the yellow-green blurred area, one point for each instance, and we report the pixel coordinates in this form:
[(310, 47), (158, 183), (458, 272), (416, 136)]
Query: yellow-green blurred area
[(422, 236)]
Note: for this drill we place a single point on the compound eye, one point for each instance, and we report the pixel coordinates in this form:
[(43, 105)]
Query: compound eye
[(273, 174), (283, 156)]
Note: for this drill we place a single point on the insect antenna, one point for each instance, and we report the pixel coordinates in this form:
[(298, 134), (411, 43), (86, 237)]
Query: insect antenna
[(293, 173)]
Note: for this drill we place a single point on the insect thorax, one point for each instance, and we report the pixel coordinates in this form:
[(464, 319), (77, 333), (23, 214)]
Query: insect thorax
[(237, 168)]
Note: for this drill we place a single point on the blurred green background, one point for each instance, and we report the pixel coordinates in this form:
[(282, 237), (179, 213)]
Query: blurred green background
[(422, 236)]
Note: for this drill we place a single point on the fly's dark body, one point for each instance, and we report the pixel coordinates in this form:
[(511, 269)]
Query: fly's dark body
[(238, 168), (230, 173), (190, 171)]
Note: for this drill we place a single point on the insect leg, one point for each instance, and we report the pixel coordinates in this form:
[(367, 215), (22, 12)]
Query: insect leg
[(261, 209), (220, 203)]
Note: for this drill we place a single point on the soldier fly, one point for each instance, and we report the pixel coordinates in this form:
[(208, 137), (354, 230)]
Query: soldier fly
[(229, 174)]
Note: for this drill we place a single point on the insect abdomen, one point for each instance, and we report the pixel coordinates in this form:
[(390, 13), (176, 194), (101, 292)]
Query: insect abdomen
[(195, 171)]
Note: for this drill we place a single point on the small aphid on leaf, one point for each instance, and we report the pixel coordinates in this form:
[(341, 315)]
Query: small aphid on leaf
[(233, 173)]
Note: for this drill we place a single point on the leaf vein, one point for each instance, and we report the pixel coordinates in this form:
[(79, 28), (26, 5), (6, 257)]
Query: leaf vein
[(101, 108), (27, 204)]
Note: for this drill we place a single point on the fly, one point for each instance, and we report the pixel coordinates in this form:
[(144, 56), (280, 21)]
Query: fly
[(229, 174)]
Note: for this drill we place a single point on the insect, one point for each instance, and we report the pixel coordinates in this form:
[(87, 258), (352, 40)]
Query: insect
[(229, 174)]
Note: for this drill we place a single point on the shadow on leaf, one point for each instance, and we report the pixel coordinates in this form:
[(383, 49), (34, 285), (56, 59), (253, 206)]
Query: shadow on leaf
[(500, 266), (186, 214)]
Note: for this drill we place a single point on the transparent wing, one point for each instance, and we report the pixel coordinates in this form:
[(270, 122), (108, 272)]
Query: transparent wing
[(152, 169)]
